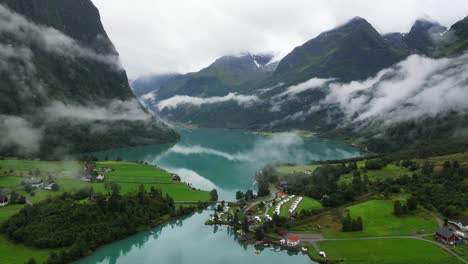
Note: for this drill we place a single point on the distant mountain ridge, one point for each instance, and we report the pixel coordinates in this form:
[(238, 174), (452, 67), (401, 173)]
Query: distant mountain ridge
[(293, 95)]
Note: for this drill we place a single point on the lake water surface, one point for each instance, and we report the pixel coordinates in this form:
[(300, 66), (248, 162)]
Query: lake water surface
[(213, 158)]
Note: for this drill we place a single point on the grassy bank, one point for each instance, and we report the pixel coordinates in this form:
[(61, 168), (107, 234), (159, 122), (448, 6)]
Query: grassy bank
[(386, 251)]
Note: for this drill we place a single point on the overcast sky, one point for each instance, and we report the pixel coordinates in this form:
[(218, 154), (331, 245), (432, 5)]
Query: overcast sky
[(154, 36)]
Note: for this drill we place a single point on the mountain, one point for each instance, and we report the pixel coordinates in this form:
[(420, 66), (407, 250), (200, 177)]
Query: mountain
[(456, 39), (349, 83), (62, 89), (352, 51), (224, 75), (151, 83), (424, 36)]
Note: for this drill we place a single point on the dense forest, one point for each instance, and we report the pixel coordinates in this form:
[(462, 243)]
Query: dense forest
[(79, 223)]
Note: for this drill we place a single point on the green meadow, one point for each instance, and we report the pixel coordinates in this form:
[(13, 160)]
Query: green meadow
[(378, 220), (296, 169), (386, 251), (390, 171)]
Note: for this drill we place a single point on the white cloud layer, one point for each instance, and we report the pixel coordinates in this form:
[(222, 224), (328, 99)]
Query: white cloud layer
[(48, 38), (178, 100), (415, 88), (186, 35)]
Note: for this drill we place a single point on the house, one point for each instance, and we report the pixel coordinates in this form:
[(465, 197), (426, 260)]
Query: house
[(34, 182), (308, 172), (100, 177), (49, 187), (86, 178), (293, 241), (462, 225), (445, 235), (282, 185), (105, 169), (3, 200), (281, 195)]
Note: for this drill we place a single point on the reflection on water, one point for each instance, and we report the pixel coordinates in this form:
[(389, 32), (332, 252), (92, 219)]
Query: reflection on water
[(213, 158), (228, 159), (188, 240)]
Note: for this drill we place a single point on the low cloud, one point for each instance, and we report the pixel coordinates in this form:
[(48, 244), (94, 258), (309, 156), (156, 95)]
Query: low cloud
[(49, 39), (311, 84), (178, 100), (18, 133), (291, 92), (416, 87), (114, 111)]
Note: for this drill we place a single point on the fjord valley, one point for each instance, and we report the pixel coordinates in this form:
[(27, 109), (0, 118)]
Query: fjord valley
[(347, 145)]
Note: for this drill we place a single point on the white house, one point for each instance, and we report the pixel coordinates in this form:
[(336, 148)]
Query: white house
[(3, 200), (293, 241), (100, 177)]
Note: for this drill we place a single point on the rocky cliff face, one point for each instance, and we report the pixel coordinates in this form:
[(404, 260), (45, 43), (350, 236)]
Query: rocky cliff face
[(61, 83)]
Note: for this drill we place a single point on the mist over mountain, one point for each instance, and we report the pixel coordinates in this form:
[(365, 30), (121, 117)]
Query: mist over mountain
[(61, 82), (298, 94)]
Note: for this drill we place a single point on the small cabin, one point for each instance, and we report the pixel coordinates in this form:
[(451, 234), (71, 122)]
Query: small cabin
[(445, 235), (293, 241), (3, 200)]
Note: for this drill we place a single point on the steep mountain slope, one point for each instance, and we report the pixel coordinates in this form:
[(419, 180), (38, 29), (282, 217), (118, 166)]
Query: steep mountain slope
[(395, 92), (62, 88), (456, 39), (151, 83), (225, 75), (352, 51), (424, 36)]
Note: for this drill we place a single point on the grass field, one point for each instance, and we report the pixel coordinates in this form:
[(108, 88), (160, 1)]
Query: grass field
[(389, 171), (45, 166), (378, 220), (462, 251), (126, 172), (10, 181), (306, 204), (129, 176), (294, 169), (8, 211), (386, 251), (17, 254)]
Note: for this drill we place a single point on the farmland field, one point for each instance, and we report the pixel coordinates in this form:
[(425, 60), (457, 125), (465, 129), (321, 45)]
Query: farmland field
[(386, 251), (378, 220)]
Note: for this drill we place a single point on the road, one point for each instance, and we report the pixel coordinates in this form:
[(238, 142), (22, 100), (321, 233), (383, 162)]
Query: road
[(271, 196)]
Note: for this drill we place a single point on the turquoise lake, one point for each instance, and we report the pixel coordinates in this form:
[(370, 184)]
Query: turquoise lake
[(213, 158)]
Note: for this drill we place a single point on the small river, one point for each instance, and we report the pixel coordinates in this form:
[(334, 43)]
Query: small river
[(213, 158)]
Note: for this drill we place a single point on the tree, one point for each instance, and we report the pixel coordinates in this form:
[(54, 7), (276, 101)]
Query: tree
[(346, 223), (31, 261), (239, 195), (214, 195), (249, 195), (55, 187), (360, 225), (366, 182), (263, 188), (412, 204), (259, 234), (245, 224), (397, 208)]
